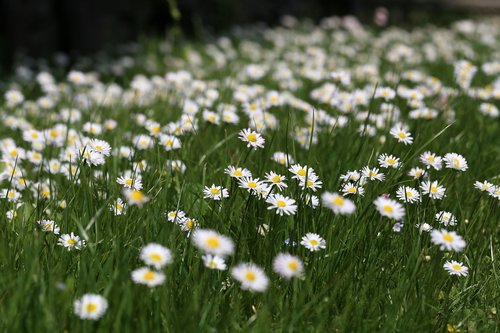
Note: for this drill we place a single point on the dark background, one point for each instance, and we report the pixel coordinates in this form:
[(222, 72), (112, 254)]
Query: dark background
[(40, 28)]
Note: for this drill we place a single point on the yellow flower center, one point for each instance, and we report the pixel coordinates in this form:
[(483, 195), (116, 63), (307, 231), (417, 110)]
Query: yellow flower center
[(214, 191), (434, 189), (252, 184), (456, 267), (388, 209), (213, 242), (91, 307), (71, 241), (338, 201), (301, 172), (250, 276), (137, 195), (448, 237), (149, 275), (276, 179), (391, 161), (237, 173), (314, 242), (155, 257), (280, 203), (251, 137), (401, 135), (293, 265)]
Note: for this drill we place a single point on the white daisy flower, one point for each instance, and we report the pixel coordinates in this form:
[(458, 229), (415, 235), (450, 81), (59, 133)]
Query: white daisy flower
[(456, 268), (156, 255), (71, 241), (49, 226), (214, 262), (215, 192), (337, 203), (313, 242), (145, 275), (455, 161), (90, 306), (282, 204), (288, 266), (447, 240), (430, 159), (401, 135), (446, 218), (251, 277), (433, 189), (407, 194), (390, 208), (252, 138), (212, 242)]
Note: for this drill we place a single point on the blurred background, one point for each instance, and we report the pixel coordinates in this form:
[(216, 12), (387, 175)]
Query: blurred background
[(41, 28)]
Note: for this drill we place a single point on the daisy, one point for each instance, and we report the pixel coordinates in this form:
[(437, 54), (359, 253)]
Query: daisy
[(432, 189), (215, 192), (100, 146), (130, 181), (301, 172), (170, 142), (313, 242), (212, 242), (49, 226), (312, 182), (337, 203), (10, 194), (288, 266), (252, 185), (251, 277), (455, 161), (90, 306), (416, 173), (146, 276), (252, 138), (372, 174), (135, 197), (175, 215), (214, 262), (351, 188), (446, 218), (388, 161), (353, 176), (311, 200), (407, 194), (156, 255), (235, 172), (456, 268), (484, 186), (447, 240), (282, 204), (188, 224), (282, 158), (390, 208), (118, 207), (71, 241), (276, 180), (430, 159), (401, 135)]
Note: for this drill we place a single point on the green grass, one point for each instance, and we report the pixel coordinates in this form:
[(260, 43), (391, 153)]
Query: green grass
[(368, 279)]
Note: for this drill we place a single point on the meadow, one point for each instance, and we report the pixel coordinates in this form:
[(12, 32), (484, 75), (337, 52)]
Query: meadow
[(324, 177)]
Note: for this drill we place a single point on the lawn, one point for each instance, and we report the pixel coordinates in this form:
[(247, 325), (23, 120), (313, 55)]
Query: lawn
[(301, 178)]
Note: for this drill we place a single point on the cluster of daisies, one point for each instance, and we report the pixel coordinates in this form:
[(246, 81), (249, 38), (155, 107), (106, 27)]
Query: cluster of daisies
[(54, 138)]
